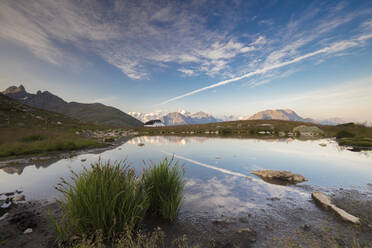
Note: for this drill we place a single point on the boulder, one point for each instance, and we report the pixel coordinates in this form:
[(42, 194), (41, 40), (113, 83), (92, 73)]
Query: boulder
[(308, 130), (325, 201), (279, 177)]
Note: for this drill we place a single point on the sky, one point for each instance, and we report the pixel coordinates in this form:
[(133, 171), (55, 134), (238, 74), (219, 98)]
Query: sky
[(221, 57)]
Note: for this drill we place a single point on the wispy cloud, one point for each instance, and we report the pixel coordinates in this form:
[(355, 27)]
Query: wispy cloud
[(334, 48), (188, 72), (130, 35), (136, 35)]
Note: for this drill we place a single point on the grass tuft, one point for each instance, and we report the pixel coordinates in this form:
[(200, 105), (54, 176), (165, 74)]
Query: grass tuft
[(164, 185), (34, 145), (107, 197), (344, 134), (33, 137)]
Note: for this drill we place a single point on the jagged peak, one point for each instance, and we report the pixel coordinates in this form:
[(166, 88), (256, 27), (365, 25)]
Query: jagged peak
[(14, 89)]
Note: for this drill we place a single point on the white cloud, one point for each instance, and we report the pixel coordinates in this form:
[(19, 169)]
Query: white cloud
[(333, 48), (134, 35), (188, 72)]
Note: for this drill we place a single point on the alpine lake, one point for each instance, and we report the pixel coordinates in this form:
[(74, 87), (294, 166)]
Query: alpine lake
[(220, 190)]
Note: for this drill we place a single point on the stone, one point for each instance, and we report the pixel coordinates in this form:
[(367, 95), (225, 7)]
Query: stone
[(28, 231), (279, 177), (19, 198), (141, 144), (325, 201), (308, 130)]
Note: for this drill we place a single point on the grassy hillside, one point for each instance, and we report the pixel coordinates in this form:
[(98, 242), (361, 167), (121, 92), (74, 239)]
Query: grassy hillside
[(100, 114), (26, 130), (347, 134), (95, 113)]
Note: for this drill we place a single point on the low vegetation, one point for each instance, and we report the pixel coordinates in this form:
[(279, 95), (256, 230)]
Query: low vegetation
[(163, 181), (43, 144), (104, 197), (110, 198), (128, 239), (26, 130)]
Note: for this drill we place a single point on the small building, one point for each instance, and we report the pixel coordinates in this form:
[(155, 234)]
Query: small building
[(154, 123)]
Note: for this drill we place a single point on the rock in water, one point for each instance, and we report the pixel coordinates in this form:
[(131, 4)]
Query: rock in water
[(279, 177), (326, 202)]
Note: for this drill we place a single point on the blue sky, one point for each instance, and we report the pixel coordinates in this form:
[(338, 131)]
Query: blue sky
[(222, 57)]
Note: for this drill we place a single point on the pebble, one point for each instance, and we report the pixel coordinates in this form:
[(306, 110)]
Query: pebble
[(28, 231)]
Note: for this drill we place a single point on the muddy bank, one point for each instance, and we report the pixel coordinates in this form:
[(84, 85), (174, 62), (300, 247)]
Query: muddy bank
[(285, 223), (30, 216)]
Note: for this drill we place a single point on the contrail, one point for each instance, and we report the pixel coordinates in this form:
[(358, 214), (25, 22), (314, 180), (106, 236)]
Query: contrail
[(208, 166), (335, 47)]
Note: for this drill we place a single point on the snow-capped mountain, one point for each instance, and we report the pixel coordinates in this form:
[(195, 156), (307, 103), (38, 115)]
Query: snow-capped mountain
[(157, 115), (181, 117)]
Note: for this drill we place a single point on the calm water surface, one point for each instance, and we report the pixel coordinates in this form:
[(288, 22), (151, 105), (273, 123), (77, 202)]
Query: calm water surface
[(218, 170)]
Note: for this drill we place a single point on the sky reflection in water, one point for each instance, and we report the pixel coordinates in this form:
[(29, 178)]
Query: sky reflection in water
[(217, 169)]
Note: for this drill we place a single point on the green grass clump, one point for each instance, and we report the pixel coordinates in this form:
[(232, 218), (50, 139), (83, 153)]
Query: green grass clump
[(344, 134), (33, 137), (164, 185), (355, 142), (45, 146), (107, 197)]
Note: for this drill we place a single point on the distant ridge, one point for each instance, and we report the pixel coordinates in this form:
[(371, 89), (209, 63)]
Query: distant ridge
[(278, 114), (183, 117), (290, 115), (96, 113), (177, 118)]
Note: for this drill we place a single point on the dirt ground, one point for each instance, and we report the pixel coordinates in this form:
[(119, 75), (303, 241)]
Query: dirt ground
[(283, 226)]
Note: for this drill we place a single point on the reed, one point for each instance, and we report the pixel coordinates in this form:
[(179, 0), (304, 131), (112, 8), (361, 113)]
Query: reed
[(164, 184), (107, 197)]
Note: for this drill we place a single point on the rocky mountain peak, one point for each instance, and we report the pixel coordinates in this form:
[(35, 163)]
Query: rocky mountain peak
[(14, 90)]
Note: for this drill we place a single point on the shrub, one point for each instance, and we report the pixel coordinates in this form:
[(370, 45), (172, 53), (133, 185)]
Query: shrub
[(164, 185), (344, 134), (107, 197), (33, 137), (226, 131)]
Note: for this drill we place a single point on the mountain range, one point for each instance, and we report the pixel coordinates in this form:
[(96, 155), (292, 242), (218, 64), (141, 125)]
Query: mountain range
[(183, 117), (98, 113), (95, 113), (176, 118)]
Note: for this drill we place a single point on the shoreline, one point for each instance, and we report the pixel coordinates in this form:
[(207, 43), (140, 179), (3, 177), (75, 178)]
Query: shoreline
[(283, 222)]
